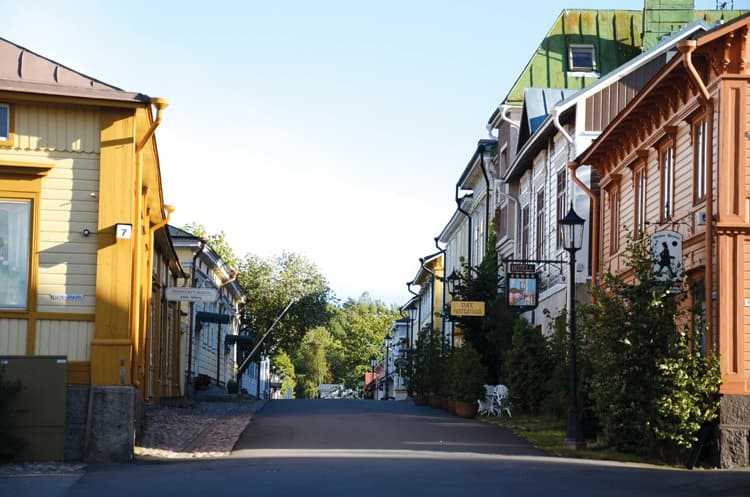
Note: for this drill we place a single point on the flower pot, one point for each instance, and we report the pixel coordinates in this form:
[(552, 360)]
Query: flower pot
[(419, 400), (434, 400), (466, 409), (452, 406)]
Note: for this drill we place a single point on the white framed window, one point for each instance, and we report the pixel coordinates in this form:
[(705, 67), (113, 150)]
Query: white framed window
[(5, 129), (581, 57), (15, 241)]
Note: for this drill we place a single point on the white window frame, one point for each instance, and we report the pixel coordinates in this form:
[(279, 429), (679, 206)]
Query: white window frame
[(579, 47), (15, 256)]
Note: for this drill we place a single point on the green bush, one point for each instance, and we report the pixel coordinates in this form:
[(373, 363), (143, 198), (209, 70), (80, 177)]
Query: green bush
[(651, 393), (467, 374), (528, 367)]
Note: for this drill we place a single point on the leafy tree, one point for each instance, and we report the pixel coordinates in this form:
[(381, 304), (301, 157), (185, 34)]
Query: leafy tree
[(650, 390), (364, 323), (217, 241), (270, 285), (284, 363), (312, 361), (490, 335)]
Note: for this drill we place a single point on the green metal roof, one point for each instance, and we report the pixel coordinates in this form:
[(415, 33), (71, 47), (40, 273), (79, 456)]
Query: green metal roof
[(617, 37)]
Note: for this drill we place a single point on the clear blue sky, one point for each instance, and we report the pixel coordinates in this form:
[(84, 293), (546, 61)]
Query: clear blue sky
[(333, 129)]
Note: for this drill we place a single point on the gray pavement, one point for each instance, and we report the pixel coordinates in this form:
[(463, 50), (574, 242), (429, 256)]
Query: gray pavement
[(374, 448)]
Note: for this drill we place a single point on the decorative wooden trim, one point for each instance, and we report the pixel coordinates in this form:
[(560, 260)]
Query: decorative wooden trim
[(18, 168), (64, 316)]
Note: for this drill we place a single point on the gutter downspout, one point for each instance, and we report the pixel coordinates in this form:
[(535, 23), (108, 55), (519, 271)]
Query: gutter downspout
[(468, 216), (486, 200), (153, 229), (135, 289), (412, 345), (573, 167), (218, 332), (160, 104), (503, 109), (686, 48), (193, 281), (445, 267)]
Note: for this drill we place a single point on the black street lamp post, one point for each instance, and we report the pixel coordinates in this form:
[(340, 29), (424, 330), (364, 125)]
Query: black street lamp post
[(372, 376), (572, 232), (388, 342)]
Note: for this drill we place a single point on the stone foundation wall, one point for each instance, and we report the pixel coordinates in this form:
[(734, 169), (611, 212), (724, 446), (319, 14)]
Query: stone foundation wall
[(734, 431), (111, 424), (77, 409)]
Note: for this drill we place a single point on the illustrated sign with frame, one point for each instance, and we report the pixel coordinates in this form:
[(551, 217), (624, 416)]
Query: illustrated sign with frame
[(522, 286)]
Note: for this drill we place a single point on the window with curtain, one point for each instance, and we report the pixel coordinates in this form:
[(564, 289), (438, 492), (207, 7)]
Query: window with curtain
[(15, 240), (541, 224), (666, 164), (640, 200), (614, 223), (699, 160), (525, 232)]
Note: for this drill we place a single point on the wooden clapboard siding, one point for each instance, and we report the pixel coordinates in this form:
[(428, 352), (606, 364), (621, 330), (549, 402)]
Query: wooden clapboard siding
[(13, 336), (68, 338), (79, 372), (53, 127), (746, 309)]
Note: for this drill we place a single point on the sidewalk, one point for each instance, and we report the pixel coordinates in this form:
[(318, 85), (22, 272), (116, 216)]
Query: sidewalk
[(200, 430)]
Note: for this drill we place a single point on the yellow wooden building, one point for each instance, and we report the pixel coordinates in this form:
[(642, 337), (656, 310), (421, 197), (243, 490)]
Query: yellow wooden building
[(84, 256)]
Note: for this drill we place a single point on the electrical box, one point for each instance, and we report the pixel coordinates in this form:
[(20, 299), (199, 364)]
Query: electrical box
[(39, 408)]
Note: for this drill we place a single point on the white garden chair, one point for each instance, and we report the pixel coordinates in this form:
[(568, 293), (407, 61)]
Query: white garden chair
[(501, 399)]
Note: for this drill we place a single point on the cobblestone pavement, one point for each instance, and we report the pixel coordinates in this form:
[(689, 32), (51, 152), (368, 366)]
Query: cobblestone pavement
[(203, 430), (200, 430)]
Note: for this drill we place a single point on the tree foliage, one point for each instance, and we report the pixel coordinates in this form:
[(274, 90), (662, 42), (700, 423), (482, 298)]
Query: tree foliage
[(217, 241), (490, 335), (650, 390), (528, 367), (270, 285)]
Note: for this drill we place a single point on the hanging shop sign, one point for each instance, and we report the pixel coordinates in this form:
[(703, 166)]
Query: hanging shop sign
[(467, 308), (522, 285), (666, 250)]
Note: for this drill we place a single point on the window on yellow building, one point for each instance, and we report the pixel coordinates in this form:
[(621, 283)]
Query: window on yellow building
[(15, 241), (4, 124)]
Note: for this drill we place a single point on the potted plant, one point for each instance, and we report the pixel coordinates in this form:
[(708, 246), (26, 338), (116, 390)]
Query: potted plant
[(467, 378)]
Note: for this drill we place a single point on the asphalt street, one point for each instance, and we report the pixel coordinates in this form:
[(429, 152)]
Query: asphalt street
[(374, 448)]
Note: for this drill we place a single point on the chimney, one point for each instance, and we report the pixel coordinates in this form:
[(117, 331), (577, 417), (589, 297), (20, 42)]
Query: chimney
[(664, 17)]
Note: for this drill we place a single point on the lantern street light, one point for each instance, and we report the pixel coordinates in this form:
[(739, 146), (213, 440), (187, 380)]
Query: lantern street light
[(372, 376), (388, 343), (572, 233)]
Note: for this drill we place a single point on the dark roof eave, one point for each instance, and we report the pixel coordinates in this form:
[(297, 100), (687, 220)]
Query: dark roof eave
[(73, 92)]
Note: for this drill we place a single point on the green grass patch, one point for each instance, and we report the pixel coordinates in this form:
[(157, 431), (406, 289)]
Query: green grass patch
[(548, 434)]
